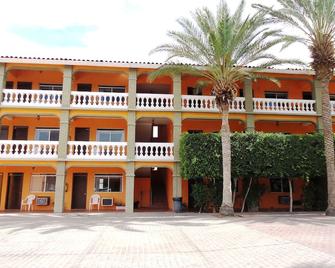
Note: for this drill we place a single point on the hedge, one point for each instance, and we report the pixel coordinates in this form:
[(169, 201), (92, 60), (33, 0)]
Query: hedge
[(254, 155)]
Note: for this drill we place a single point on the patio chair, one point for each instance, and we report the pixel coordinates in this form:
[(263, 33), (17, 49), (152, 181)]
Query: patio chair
[(94, 200), (28, 202)]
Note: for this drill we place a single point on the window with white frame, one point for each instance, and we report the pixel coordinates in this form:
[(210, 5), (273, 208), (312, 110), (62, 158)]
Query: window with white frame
[(279, 185), (108, 183), (43, 183), (56, 87), (110, 135), (116, 89), (276, 94), (47, 134)]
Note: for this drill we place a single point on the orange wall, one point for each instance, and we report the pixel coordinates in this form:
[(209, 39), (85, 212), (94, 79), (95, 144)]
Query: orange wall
[(117, 197), (96, 123), (96, 79), (36, 77), (31, 122), (169, 189), (28, 172), (211, 125), (285, 127), (293, 87), (142, 192), (163, 80)]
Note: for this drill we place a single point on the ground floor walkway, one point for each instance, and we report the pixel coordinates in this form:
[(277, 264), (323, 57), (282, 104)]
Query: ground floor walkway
[(166, 240)]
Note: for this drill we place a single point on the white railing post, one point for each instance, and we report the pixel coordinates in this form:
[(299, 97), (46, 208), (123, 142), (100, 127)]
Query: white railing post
[(154, 102), (154, 151), (99, 100), (28, 150), (94, 150)]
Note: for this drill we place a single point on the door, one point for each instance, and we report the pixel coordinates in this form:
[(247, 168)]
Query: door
[(14, 191), (79, 191), (82, 134), (24, 85), (20, 133)]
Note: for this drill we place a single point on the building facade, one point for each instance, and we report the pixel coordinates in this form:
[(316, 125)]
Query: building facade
[(74, 128)]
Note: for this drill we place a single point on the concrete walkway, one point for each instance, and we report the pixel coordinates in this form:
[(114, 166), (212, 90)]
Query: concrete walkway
[(166, 240)]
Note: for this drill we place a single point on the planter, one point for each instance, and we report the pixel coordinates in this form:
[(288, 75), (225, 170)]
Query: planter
[(120, 208)]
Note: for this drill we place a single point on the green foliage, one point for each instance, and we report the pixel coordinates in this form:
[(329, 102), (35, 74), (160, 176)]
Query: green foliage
[(254, 155), (207, 194)]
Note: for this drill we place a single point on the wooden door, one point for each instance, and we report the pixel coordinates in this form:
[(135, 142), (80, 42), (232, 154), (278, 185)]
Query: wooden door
[(79, 191), (14, 190), (82, 134), (20, 133)]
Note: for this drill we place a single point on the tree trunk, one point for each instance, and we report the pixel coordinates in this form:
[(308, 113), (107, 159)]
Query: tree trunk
[(246, 195), (226, 208), (234, 193), (291, 195), (329, 147)]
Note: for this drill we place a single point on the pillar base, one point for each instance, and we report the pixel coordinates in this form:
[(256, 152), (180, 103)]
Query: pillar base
[(226, 210), (330, 211)]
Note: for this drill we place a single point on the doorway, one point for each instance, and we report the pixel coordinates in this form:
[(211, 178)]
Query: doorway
[(20, 133), (14, 190), (79, 191)]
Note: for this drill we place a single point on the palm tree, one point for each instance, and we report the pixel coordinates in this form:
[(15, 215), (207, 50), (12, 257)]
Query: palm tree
[(314, 21), (219, 46)]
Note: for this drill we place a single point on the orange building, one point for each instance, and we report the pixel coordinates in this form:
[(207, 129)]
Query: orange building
[(72, 129)]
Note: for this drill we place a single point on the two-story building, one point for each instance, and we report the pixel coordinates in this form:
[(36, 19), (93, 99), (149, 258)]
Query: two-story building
[(73, 128)]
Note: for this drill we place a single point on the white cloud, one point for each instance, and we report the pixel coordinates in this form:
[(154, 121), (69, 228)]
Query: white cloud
[(124, 29)]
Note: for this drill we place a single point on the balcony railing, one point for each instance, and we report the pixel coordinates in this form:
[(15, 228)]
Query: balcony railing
[(207, 104), (283, 106), (32, 98), (154, 102), (99, 100), (85, 150), (154, 151), (28, 150)]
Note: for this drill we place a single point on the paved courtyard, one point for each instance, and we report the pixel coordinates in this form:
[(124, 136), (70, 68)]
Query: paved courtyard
[(166, 240)]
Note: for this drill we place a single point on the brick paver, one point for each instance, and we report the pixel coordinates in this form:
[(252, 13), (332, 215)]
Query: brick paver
[(166, 240)]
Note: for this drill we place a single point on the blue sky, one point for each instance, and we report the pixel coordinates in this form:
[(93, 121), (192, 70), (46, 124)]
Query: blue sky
[(100, 29)]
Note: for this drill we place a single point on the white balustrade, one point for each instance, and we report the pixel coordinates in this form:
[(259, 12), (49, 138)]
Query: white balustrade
[(332, 107), (154, 151), (99, 100), (32, 98), (155, 102), (207, 104), (86, 150), (284, 106), (28, 150)]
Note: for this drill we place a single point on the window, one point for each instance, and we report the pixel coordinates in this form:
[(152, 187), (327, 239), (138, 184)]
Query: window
[(155, 131), (276, 95), (108, 183), (194, 91), (279, 185), (24, 85), (241, 92), (194, 131), (307, 95), (110, 135), (117, 89), (43, 183), (47, 134), (84, 87), (332, 97), (9, 84), (56, 87), (4, 133)]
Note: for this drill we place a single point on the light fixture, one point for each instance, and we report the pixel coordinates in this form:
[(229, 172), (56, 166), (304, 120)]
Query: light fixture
[(155, 169)]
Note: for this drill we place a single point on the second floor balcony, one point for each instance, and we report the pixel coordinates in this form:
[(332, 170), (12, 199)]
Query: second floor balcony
[(52, 99), (82, 150)]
